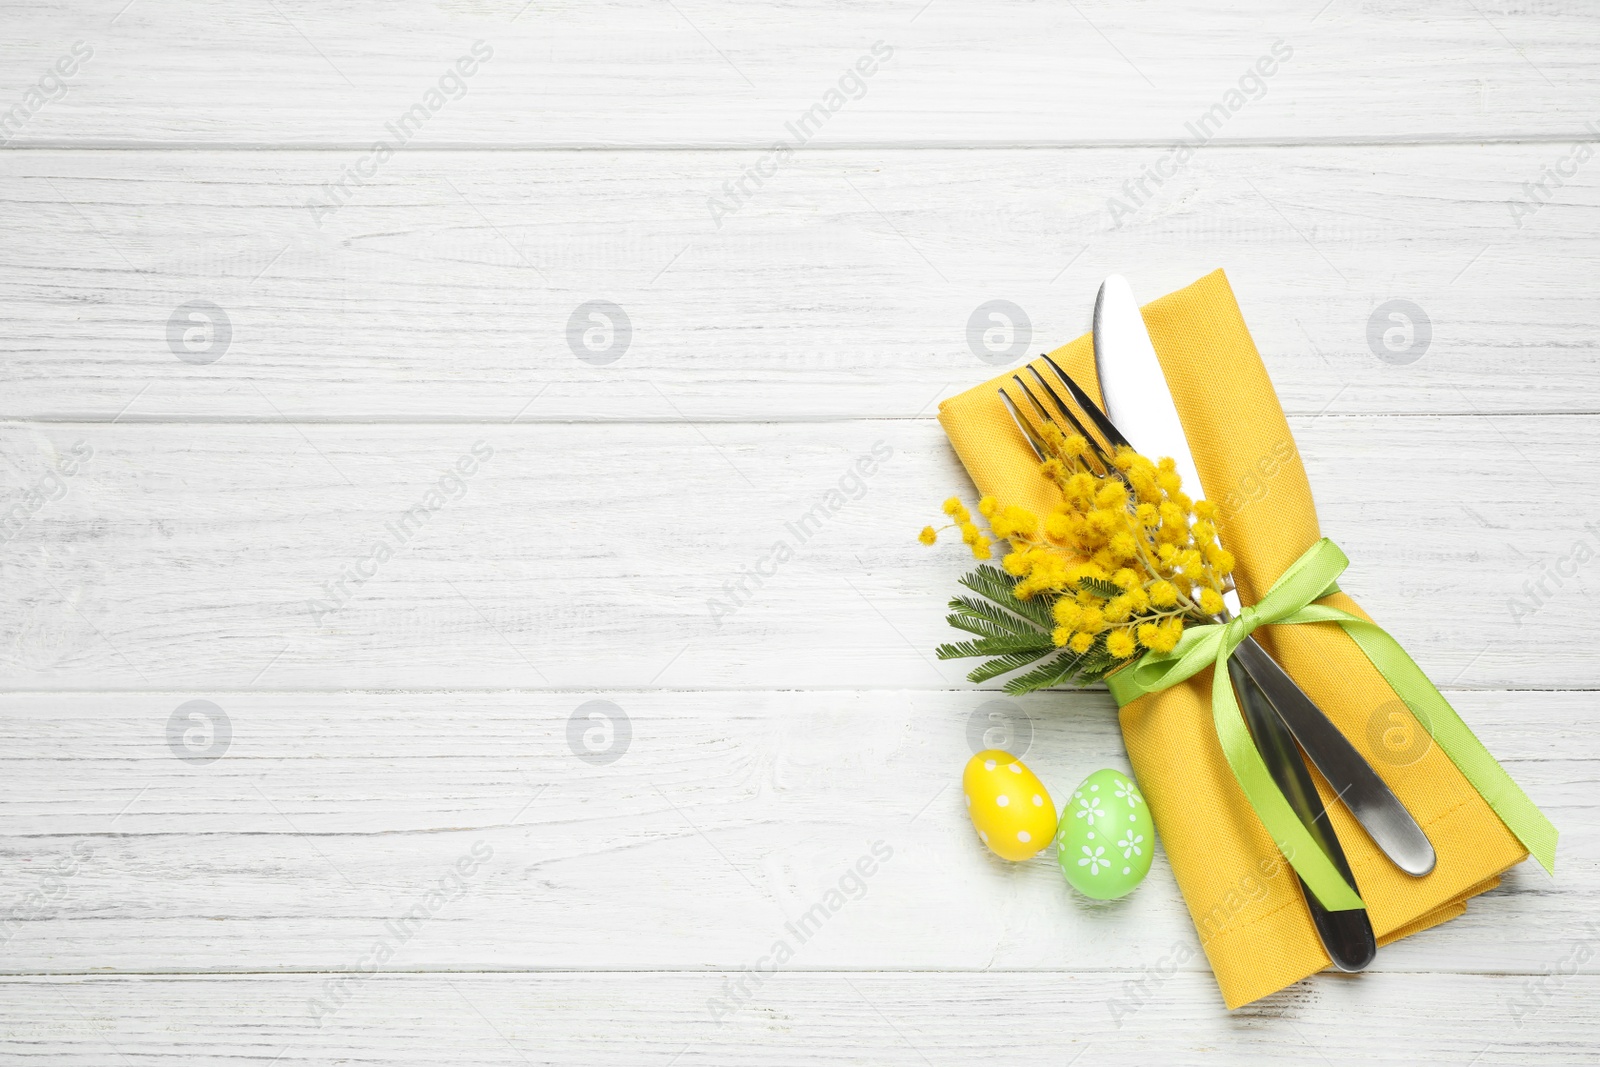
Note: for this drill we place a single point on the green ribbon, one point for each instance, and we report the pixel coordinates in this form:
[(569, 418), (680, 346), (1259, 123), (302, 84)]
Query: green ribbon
[(1290, 601)]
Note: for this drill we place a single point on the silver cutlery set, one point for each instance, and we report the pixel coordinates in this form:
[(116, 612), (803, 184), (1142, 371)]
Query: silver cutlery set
[(1287, 726)]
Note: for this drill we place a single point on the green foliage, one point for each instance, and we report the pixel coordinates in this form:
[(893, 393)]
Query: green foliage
[(997, 646), (1004, 665), (1100, 588), (998, 586), (986, 620), (1016, 633), (1055, 672)]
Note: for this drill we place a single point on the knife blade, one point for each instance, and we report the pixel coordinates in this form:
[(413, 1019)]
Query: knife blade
[(1135, 390)]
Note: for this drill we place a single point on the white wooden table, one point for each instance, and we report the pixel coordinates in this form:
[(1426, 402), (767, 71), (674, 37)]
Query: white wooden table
[(518, 739)]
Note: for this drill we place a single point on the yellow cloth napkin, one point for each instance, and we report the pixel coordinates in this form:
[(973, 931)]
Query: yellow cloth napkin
[(1245, 900)]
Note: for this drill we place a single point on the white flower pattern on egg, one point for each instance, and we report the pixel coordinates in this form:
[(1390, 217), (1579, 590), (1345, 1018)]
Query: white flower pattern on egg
[(1106, 850)]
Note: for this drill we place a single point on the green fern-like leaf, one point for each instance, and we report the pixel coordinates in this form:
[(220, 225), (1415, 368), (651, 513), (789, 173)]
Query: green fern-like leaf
[(1099, 587), (1005, 665), (1055, 672), (998, 586), (1096, 665), (991, 582), (981, 627), (988, 620), (996, 646)]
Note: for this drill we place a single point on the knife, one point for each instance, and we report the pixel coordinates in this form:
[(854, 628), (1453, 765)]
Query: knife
[(1135, 392)]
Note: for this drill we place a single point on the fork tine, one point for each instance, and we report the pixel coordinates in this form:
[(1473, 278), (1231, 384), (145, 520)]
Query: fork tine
[(1101, 459), (1066, 411), (1035, 442), (1044, 416), (1089, 407), (1044, 413)]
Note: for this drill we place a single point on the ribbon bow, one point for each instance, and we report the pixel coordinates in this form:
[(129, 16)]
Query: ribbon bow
[(1290, 601)]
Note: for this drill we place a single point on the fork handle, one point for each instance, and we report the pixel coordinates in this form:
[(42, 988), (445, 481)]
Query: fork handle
[(1368, 797), (1347, 936)]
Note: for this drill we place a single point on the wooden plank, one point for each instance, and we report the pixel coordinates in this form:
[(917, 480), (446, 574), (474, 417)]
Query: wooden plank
[(958, 71), (702, 556), (798, 1018), (449, 288), (689, 837)]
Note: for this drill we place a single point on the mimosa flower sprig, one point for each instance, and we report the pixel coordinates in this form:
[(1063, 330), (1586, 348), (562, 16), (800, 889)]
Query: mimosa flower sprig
[(1117, 568)]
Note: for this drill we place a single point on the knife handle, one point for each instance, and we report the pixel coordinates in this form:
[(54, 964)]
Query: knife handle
[(1368, 797), (1346, 935)]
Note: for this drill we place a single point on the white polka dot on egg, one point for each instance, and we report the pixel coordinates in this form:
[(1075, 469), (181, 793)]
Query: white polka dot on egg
[(969, 800), (1024, 836), (988, 764), (1015, 768), (1002, 800), (1038, 801)]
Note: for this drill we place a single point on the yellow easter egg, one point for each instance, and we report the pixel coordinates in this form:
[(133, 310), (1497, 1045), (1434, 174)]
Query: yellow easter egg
[(1010, 808)]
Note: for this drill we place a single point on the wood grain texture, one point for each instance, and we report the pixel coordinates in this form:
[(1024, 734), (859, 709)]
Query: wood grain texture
[(175, 527), (811, 1018), (962, 71), (722, 820), (681, 555), (844, 288)]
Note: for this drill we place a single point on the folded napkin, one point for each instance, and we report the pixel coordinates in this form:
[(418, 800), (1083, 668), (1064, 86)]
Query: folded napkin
[(1245, 900)]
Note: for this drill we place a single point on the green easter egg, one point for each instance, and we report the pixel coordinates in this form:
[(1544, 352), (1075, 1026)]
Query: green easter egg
[(1106, 836)]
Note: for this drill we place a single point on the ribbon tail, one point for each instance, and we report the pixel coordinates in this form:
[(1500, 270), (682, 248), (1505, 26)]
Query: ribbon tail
[(1292, 838), (1521, 816)]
